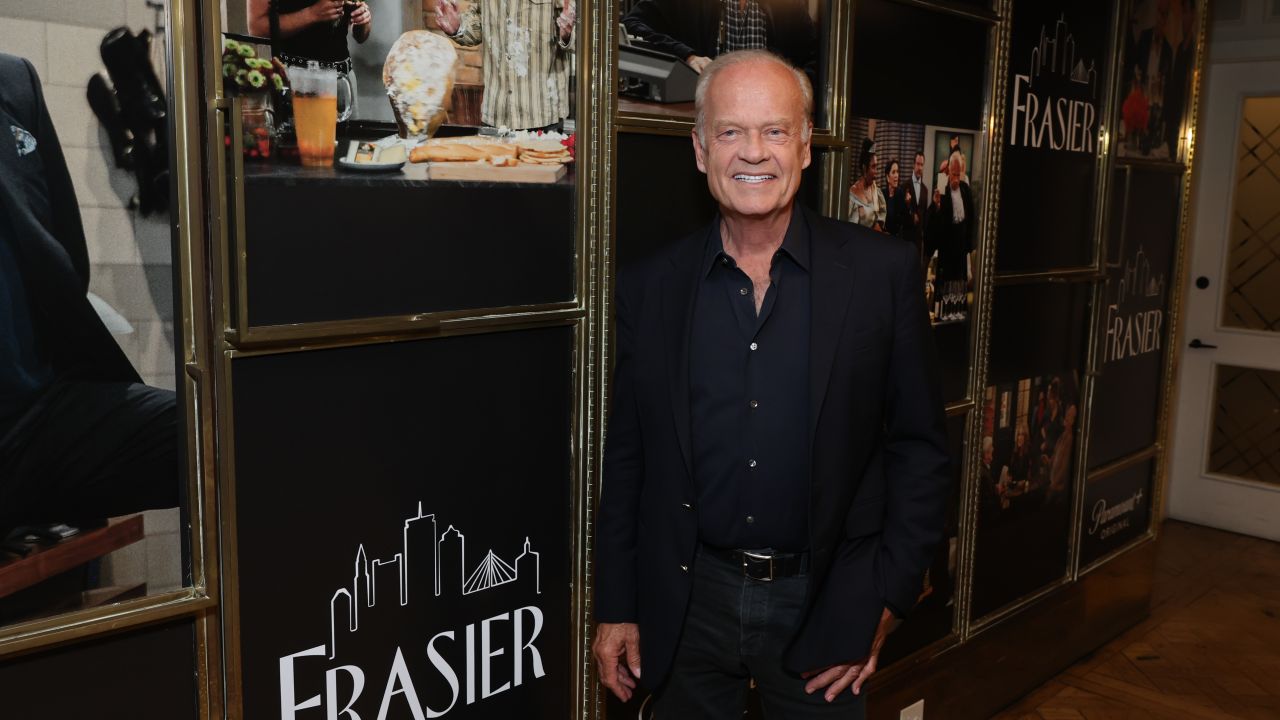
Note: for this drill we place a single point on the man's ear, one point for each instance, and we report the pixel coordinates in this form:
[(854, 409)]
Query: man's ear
[(698, 151)]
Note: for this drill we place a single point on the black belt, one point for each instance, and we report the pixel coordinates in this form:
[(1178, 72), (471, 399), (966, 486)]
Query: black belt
[(342, 66), (762, 565)]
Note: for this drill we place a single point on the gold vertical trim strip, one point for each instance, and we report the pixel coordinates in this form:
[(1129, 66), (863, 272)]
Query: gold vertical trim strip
[(1173, 356), (980, 334)]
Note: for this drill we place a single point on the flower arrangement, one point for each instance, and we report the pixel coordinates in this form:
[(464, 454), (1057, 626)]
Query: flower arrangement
[(243, 71)]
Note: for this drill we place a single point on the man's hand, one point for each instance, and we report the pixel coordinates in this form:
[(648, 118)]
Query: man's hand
[(838, 677), (329, 11), (617, 652), (698, 63), (447, 17), (361, 15), (565, 20)]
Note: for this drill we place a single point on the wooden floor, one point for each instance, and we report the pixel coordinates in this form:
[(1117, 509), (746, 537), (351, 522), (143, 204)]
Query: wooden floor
[(1211, 648)]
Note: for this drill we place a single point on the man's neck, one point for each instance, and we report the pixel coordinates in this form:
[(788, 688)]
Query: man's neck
[(754, 236)]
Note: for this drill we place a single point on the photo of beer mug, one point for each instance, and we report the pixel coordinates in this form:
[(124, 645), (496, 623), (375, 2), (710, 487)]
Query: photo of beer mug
[(315, 112)]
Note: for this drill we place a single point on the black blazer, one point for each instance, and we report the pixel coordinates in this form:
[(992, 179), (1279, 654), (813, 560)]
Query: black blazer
[(692, 27), (879, 478), (44, 220)]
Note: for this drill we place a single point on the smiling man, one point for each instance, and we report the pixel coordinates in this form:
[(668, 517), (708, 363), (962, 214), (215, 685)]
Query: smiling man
[(774, 472)]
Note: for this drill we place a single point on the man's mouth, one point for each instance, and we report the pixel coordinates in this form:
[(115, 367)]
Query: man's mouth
[(752, 179)]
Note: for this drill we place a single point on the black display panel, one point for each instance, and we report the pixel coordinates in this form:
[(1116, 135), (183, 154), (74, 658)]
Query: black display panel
[(1135, 330), (1030, 414), (1117, 509), (932, 618), (149, 673), (1058, 65), (918, 65), (662, 196), (327, 246), (402, 520)]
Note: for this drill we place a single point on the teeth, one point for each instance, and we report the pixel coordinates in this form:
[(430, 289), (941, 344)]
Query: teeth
[(753, 178)]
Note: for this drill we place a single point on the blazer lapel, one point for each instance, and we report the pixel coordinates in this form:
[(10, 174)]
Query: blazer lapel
[(830, 289), (678, 288)]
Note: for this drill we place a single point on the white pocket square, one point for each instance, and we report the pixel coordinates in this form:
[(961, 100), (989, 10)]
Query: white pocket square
[(25, 141)]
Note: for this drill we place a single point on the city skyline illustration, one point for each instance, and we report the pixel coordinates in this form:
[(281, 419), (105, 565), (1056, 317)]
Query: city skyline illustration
[(444, 556), (1059, 54), (1137, 280)]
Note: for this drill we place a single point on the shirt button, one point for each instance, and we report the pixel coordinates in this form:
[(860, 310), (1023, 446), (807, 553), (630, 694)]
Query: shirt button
[(754, 404), (751, 463), (684, 568), (686, 506), (754, 346), (751, 518), (724, 261), (743, 291)]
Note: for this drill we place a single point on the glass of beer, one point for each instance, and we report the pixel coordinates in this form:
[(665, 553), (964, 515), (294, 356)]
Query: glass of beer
[(315, 113)]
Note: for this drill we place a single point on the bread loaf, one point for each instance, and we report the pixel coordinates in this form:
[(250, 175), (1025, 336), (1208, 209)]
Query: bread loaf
[(418, 75)]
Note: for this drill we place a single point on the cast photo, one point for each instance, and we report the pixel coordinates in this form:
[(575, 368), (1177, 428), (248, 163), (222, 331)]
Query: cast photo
[(692, 33), (1160, 46), (916, 182), (1024, 486), (476, 89)]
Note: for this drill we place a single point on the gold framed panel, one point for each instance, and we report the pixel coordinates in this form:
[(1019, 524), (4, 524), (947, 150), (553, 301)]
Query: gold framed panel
[(230, 265), (193, 343), (1124, 463)]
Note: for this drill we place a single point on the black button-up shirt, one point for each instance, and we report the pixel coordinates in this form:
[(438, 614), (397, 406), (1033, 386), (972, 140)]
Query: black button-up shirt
[(749, 399)]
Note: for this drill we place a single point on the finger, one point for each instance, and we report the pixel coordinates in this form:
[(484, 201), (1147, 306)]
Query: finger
[(867, 671), (824, 678), (633, 658), (624, 677), (842, 683)]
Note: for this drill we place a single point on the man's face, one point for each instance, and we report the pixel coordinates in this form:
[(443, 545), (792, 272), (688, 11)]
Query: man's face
[(755, 134), (918, 169), (954, 171)]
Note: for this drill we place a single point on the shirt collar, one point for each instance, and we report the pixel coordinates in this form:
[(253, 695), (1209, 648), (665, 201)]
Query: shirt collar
[(795, 244)]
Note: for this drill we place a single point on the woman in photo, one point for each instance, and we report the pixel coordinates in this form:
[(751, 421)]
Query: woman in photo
[(867, 205)]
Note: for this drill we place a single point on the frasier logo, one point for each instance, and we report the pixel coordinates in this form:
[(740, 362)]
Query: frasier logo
[(1057, 123), (1134, 331), (469, 665)]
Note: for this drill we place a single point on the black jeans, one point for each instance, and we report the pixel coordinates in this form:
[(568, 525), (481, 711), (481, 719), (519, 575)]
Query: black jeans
[(87, 451), (735, 630)]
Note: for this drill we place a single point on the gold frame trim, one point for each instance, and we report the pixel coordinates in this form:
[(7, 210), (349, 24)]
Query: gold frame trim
[(240, 340), (186, 225)]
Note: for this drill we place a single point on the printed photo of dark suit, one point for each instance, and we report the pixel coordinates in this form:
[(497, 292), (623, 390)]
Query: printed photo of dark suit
[(81, 438)]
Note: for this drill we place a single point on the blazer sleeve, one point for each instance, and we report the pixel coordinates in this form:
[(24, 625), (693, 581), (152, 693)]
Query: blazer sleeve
[(63, 208), (657, 23), (621, 481), (915, 451)]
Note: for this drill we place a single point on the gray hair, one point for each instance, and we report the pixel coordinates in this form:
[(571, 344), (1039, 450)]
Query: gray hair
[(739, 57)]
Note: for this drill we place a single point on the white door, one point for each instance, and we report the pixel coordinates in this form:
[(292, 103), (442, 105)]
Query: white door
[(1225, 463)]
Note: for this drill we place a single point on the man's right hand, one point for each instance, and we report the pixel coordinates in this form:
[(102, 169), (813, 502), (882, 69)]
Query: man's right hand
[(617, 652), (326, 11), (447, 17), (698, 63)]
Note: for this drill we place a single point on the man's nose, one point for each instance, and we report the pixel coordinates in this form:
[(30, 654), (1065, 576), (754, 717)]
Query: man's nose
[(754, 150)]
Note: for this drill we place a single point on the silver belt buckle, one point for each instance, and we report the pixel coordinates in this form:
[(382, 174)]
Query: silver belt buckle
[(757, 556)]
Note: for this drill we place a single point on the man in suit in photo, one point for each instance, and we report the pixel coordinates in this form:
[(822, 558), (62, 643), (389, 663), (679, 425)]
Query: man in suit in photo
[(912, 205), (697, 31), (81, 438), (950, 229), (775, 474)]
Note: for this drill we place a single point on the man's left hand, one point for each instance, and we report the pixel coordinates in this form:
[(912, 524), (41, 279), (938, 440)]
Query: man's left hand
[(838, 677), (361, 15)]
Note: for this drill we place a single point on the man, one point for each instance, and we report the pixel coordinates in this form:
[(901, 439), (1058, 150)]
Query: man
[(526, 57), (950, 230), (775, 475), (81, 438), (913, 201), (698, 30)]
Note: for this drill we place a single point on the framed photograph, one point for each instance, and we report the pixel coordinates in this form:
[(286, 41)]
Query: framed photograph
[(663, 46), (1155, 83)]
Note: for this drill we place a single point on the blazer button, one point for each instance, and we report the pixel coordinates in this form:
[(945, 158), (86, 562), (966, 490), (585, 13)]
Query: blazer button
[(684, 568), (686, 506)]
